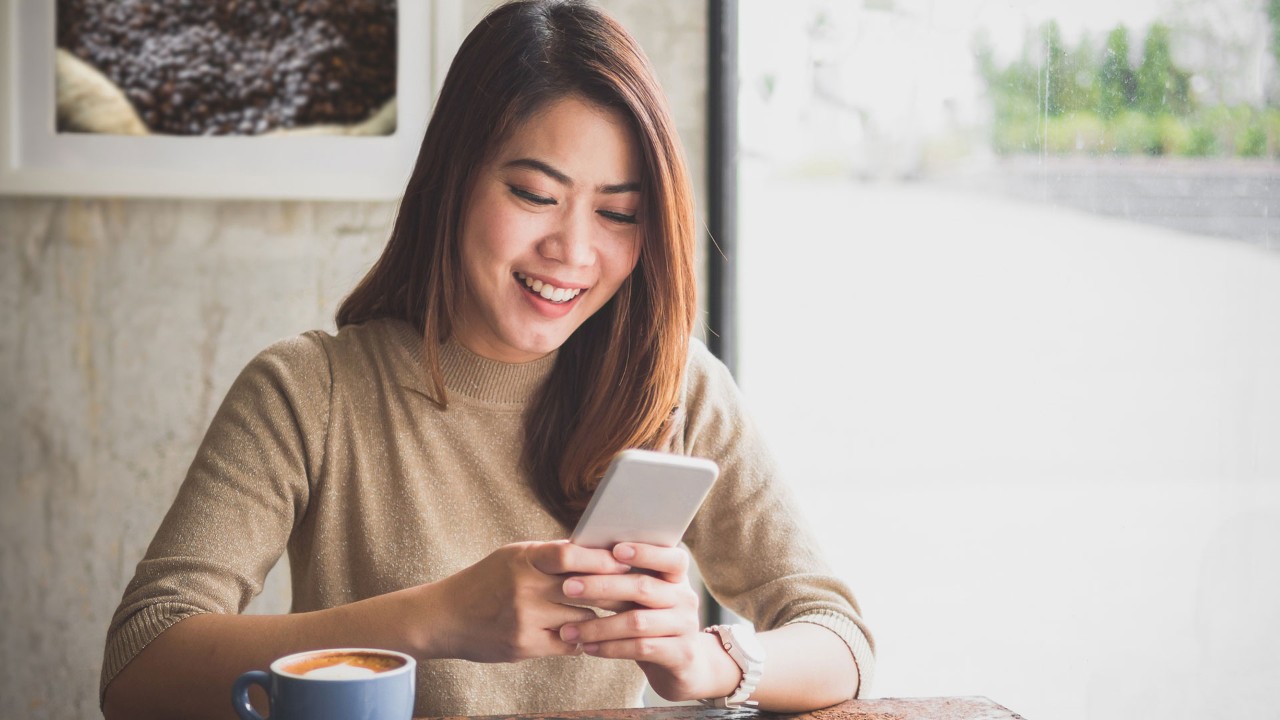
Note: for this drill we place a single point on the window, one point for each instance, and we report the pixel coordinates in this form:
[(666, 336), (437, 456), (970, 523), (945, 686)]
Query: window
[(1009, 302)]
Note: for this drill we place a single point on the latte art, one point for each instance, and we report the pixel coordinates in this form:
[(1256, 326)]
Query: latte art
[(343, 665), (344, 671)]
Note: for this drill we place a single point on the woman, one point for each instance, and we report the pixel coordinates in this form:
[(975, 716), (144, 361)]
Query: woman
[(529, 318)]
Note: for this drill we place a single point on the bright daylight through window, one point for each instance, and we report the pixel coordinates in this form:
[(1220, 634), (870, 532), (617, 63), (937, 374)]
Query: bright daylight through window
[(1009, 295)]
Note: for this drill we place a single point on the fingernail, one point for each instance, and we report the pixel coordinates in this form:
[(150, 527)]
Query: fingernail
[(591, 648), (624, 552), (569, 633), (573, 587)]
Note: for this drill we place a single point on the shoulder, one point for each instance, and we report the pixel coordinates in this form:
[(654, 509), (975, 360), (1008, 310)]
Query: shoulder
[(319, 357), (353, 349), (701, 357), (706, 379), (376, 337), (298, 380), (295, 357), (714, 410)]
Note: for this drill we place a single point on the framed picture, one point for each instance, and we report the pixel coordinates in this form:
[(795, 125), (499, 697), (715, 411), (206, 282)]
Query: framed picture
[(276, 117)]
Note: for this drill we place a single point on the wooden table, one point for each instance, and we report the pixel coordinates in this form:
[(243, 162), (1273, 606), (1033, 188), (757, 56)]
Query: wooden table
[(943, 708)]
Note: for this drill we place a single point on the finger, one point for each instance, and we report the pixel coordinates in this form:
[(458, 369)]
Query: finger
[(558, 616), (542, 636), (671, 562), (549, 645), (665, 651), (608, 606), (632, 624), (555, 647), (643, 590), (559, 558), (564, 587)]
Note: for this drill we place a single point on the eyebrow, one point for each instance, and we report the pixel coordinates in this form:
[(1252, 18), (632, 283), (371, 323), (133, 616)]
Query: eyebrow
[(554, 174)]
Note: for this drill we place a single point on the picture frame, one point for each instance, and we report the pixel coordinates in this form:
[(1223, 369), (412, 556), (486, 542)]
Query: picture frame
[(35, 159)]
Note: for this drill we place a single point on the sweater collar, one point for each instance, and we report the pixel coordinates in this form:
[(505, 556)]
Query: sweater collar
[(466, 373)]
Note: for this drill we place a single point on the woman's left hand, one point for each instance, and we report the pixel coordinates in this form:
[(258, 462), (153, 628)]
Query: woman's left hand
[(657, 624)]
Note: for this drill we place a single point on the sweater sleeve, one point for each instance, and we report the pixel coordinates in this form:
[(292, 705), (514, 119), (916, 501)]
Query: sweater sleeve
[(243, 495), (753, 549)]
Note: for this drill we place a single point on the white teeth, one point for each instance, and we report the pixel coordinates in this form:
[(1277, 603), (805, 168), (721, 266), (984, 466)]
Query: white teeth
[(549, 292)]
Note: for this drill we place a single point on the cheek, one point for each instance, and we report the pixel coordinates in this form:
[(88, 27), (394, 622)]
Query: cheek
[(620, 260), (491, 245)]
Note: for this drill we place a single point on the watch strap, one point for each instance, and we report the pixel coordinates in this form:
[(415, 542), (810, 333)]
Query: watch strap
[(735, 640)]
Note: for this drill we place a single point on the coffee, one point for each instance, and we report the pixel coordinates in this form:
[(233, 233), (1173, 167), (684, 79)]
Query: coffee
[(332, 684), (343, 665)]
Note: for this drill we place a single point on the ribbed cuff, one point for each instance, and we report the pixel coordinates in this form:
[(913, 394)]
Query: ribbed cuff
[(136, 633), (853, 636)]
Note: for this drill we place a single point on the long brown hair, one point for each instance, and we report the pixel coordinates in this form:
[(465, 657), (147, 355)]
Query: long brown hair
[(617, 379)]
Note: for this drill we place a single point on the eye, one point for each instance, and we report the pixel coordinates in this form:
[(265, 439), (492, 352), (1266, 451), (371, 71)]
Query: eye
[(531, 197), (618, 217)]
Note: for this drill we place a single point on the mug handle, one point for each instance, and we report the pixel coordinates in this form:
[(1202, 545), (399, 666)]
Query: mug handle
[(240, 693)]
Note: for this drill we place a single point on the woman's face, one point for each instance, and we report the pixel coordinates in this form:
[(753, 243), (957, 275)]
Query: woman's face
[(549, 232)]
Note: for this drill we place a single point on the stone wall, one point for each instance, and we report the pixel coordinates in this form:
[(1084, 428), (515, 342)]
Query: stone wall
[(1226, 198), (123, 323)]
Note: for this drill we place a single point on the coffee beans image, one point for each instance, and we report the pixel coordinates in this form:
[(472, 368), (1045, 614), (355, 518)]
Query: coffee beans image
[(238, 67)]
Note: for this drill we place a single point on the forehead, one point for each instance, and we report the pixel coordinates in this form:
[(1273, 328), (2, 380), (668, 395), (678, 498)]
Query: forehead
[(585, 140)]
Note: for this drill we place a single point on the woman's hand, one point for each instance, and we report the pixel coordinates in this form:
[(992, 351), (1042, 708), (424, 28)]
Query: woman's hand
[(510, 606), (657, 623)]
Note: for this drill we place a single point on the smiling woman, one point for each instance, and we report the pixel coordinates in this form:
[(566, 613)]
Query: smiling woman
[(530, 317), (548, 240), (591, 112)]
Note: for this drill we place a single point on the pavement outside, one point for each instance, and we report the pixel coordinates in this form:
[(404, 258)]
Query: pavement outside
[(1042, 445)]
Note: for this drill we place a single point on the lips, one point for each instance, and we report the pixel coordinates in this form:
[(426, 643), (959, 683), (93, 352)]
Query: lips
[(547, 291)]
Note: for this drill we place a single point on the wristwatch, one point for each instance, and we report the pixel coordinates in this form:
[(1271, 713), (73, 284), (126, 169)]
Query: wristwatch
[(742, 645)]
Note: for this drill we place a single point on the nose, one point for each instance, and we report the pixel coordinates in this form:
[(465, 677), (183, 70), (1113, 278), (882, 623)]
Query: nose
[(571, 243)]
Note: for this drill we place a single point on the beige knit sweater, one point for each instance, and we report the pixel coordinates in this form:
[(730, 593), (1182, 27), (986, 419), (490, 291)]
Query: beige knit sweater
[(328, 447)]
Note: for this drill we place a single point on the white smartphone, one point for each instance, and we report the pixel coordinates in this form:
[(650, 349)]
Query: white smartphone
[(647, 497)]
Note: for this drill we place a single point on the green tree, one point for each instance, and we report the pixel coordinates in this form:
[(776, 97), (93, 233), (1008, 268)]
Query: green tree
[(1162, 87), (1015, 91), (1056, 71), (1273, 13), (1082, 69), (984, 54), (1067, 76), (1117, 83)]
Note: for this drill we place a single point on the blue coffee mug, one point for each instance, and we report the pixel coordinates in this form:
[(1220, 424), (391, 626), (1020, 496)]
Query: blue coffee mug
[(293, 694)]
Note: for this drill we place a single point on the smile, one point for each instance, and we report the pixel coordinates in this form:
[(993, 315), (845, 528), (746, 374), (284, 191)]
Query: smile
[(547, 291)]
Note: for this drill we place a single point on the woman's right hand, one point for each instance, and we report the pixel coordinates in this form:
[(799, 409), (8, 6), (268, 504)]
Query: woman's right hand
[(510, 605)]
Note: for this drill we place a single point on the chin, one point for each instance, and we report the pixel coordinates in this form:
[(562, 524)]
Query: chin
[(540, 346)]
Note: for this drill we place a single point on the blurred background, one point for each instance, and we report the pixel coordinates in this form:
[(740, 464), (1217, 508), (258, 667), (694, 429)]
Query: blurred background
[(1010, 313)]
